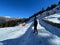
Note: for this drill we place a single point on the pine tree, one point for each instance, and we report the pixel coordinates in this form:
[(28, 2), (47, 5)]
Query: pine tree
[(59, 3)]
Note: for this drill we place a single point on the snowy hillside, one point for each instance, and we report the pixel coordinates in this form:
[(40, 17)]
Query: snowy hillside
[(14, 32), (53, 18), (50, 12), (23, 35)]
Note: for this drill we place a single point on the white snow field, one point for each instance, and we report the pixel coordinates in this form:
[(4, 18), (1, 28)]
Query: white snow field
[(23, 35), (53, 18)]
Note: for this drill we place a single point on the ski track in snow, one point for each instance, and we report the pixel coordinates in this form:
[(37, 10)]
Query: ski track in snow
[(18, 36)]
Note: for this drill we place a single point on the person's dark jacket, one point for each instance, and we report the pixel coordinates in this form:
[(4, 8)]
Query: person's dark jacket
[(35, 23)]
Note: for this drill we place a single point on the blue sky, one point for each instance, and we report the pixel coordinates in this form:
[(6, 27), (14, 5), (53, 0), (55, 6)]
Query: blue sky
[(23, 8)]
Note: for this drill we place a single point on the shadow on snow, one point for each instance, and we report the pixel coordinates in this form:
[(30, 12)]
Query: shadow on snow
[(28, 39)]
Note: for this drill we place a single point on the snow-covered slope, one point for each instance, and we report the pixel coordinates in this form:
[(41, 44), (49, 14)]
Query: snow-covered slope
[(13, 32), (50, 12), (23, 35), (53, 18)]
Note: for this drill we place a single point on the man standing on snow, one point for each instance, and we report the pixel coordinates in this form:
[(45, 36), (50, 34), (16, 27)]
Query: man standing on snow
[(35, 25)]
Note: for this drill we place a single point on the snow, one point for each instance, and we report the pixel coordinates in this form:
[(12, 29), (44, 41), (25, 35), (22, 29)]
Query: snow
[(53, 18), (54, 33), (56, 41), (7, 16), (12, 32), (23, 35)]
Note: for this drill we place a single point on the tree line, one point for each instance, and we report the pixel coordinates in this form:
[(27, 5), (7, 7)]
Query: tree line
[(47, 9), (12, 23)]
